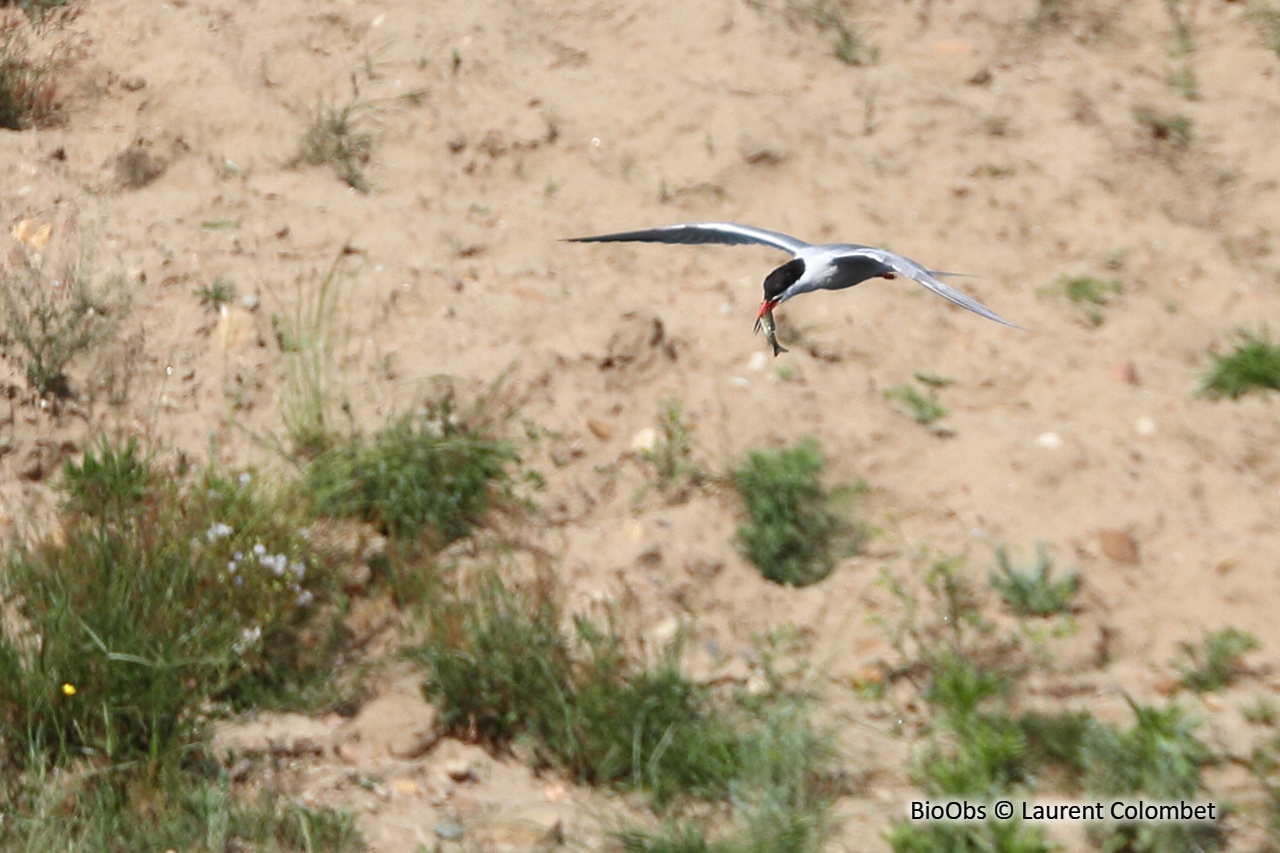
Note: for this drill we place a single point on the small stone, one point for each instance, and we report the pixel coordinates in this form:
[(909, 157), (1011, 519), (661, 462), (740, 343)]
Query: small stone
[(644, 440), (457, 763), (1145, 426), (400, 724), (758, 361), (1049, 440), (459, 770), (600, 429), (251, 301), (1124, 371), (759, 152), (405, 787), (448, 830), (33, 233), (1118, 545)]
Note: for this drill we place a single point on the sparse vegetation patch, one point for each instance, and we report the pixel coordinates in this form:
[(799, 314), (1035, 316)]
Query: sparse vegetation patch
[(54, 311)]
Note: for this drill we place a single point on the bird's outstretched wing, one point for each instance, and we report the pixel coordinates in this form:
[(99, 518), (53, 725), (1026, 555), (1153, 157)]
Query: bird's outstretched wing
[(912, 270), (698, 233)]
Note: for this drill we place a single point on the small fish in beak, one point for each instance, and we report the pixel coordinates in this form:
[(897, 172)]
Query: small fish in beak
[(765, 320)]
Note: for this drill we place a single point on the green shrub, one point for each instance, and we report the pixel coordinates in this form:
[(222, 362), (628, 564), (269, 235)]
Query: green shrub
[(161, 596), (501, 667), (1254, 364), (795, 528), (427, 474)]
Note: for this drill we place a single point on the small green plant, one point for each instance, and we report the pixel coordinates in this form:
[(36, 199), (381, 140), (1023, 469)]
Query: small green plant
[(671, 456), (795, 527), (1090, 295), (332, 136), (217, 293), (1033, 591), (1254, 364), (54, 313), (1213, 664), (432, 473), (1172, 129), (109, 483), (332, 139), (924, 407)]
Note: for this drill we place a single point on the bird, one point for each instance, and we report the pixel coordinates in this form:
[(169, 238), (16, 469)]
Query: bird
[(831, 266)]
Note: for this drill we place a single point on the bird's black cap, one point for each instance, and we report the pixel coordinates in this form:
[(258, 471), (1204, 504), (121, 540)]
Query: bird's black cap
[(782, 278)]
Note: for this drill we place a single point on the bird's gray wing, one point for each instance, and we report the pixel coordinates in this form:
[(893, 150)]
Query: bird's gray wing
[(699, 233), (912, 270)]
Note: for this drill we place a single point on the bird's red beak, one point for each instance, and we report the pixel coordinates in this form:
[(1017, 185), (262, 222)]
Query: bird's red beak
[(765, 307)]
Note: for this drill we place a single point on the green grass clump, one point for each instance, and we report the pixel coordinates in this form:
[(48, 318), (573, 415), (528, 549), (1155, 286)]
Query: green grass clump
[(1034, 591), (162, 596), (795, 526), (332, 139), (430, 473), (1254, 364), (215, 294), (1214, 663), (501, 667)]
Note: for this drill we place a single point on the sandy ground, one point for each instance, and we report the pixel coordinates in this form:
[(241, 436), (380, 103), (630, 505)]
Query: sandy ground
[(982, 136)]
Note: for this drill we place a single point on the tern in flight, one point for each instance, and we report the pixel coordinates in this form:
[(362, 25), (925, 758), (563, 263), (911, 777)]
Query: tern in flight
[(833, 266)]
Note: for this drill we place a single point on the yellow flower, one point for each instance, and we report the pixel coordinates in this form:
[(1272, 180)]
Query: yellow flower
[(68, 689)]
